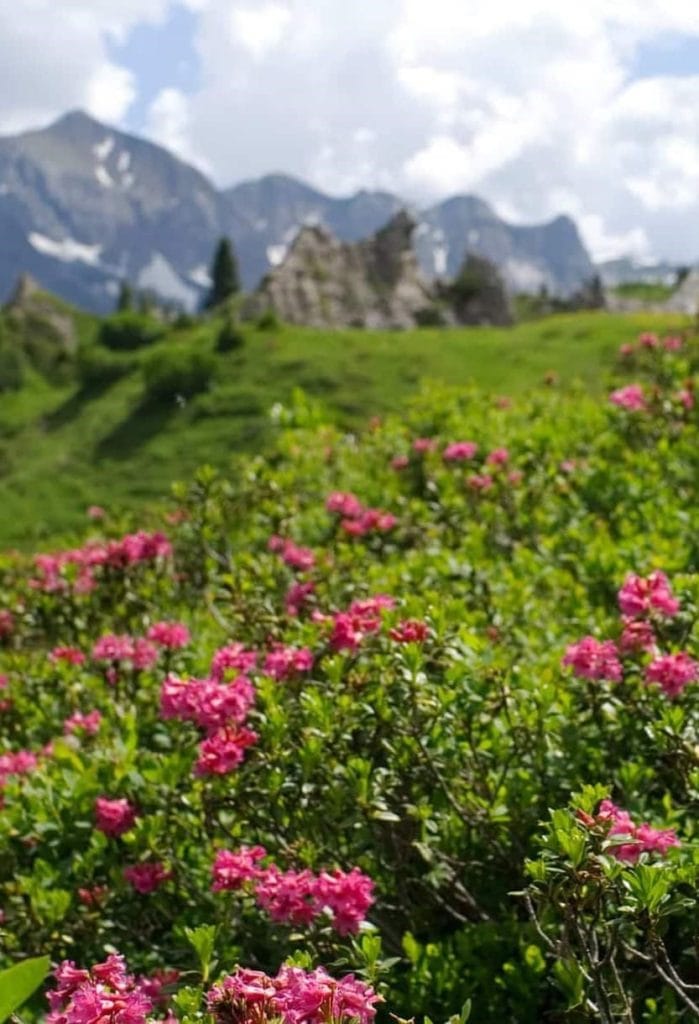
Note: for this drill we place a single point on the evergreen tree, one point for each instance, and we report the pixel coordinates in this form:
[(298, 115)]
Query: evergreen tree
[(224, 275), (125, 300)]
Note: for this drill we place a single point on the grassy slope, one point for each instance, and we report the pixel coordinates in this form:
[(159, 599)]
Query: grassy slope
[(62, 449)]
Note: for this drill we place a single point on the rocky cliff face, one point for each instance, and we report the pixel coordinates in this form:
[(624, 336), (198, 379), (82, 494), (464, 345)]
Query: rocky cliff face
[(324, 282), (377, 283)]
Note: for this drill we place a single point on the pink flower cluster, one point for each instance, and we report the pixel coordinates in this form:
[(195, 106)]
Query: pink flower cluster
[(232, 658), (362, 618), (22, 762), (640, 598), (291, 554), (297, 597), (459, 451), (296, 897), (115, 554), (78, 722), (7, 623), (284, 662), (147, 877), (105, 994), (220, 708), (648, 340), (638, 839), (294, 996), (70, 655), (594, 659), (114, 817), (135, 653), (356, 519), (631, 397), (172, 636), (409, 631)]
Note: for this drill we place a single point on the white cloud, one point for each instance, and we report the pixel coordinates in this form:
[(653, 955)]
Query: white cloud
[(260, 29)]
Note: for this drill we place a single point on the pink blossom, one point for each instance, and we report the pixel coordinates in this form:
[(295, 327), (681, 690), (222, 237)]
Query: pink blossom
[(344, 503), (480, 481), (297, 596), (292, 555), (231, 870), (515, 477), (147, 877), (209, 704), (92, 897), (348, 895), (289, 897), (459, 451), (637, 635), (7, 623), (648, 340), (223, 751), (114, 817), (285, 662), (232, 657), (640, 838), (594, 659), (171, 635), (630, 398), (672, 343), (685, 397), (626, 349), (640, 596), (71, 655), (104, 995), (144, 654), (96, 512), (672, 672), (77, 722), (399, 462), (424, 444), (410, 631), (498, 457)]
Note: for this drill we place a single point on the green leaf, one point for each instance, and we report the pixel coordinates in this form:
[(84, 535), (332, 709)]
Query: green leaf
[(17, 983), (202, 940)]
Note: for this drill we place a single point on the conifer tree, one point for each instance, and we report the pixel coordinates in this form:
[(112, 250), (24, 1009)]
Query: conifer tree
[(125, 300), (224, 275)]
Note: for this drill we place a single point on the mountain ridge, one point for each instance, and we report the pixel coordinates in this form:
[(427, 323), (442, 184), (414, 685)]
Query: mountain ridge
[(84, 206)]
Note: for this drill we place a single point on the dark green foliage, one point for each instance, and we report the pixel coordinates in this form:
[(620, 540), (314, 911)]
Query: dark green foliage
[(125, 300), (224, 275), (124, 332), (96, 366), (267, 321), (177, 373), (11, 371), (431, 316), (230, 337)]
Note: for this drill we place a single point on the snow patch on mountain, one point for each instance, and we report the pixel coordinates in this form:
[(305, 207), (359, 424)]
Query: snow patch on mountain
[(200, 275), (276, 254), (525, 277), (103, 176), (160, 276), (67, 249), (104, 148)]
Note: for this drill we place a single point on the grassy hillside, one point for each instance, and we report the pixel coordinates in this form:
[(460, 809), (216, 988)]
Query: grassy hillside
[(81, 436)]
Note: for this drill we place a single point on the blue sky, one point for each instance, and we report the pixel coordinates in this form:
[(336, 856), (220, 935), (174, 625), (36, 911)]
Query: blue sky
[(589, 109)]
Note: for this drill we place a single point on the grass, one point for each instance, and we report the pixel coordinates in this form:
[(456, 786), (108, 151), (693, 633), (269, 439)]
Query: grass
[(645, 292), (67, 446)]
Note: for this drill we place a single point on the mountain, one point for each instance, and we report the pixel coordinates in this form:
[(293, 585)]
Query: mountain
[(84, 206)]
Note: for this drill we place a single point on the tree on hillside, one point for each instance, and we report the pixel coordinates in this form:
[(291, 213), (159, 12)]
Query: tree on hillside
[(125, 300), (224, 275)]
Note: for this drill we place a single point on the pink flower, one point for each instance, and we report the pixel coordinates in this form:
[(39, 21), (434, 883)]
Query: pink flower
[(498, 457), (297, 596), (92, 897), (285, 662), (636, 636), (594, 659), (209, 704), (648, 340), (515, 477), (171, 635), (292, 555), (410, 631), (459, 451), (672, 343), (685, 397), (348, 895), (224, 750), (7, 623), (112, 648), (114, 817), (96, 512), (143, 654), (630, 398), (424, 444), (639, 597), (640, 838), (626, 349), (344, 503), (105, 994), (480, 481), (672, 672), (233, 657), (147, 877), (71, 655), (78, 722), (288, 897), (399, 462), (231, 870)]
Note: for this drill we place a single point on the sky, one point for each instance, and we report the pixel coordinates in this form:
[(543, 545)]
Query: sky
[(539, 107)]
